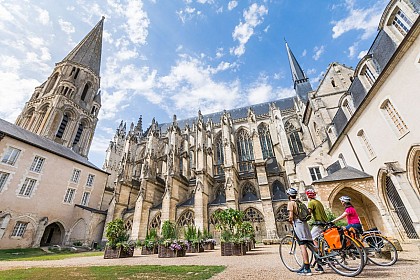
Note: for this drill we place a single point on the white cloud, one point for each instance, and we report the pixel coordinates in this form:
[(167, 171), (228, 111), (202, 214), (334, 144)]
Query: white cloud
[(311, 71), (14, 92), (352, 50), (304, 52), (189, 87), (362, 54), (359, 19), (318, 51), (243, 32), (66, 26), (137, 22), (43, 16), (260, 93), (232, 5), (285, 92)]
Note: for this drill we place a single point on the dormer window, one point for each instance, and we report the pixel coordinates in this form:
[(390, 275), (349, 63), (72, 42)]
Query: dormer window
[(369, 75), (402, 23)]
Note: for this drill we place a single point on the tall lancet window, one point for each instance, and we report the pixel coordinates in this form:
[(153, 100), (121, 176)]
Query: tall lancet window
[(78, 134), (265, 141), (63, 125), (245, 150), (219, 156), (85, 91), (294, 139)]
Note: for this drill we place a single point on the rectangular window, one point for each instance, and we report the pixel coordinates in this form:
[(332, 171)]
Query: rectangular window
[(85, 198), (395, 118), (19, 229), (3, 179), (369, 76), (402, 23), (10, 156), (90, 179), (75, 176), (68, 198), (315, 173), (37, 164), (27, 187)]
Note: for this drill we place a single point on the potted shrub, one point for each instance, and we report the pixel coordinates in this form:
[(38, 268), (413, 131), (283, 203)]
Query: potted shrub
[(150, 244), (248, 233), (194, 238), (169, 246), (229, 222), (117, 245), (208, 241)]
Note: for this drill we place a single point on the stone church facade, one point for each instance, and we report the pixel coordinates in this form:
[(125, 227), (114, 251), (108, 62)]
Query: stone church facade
[(50, 194), (246, 158)]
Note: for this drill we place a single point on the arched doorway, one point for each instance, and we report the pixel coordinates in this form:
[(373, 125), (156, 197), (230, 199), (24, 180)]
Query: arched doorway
[(368, 212), (53, 235)]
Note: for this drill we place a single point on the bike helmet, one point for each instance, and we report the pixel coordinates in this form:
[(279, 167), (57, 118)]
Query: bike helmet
[(345, 198), (292, 191), (310, 193)]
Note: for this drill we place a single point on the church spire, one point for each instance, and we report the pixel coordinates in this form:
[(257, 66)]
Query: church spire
[(88, 51), (301, 83)]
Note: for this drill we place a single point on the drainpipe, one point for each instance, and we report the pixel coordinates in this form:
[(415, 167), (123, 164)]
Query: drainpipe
[(355, 154)]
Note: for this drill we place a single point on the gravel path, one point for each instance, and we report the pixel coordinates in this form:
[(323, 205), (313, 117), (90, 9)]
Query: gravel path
[(261, 263)]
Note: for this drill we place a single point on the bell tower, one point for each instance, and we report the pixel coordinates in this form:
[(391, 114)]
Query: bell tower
[(65, 107)]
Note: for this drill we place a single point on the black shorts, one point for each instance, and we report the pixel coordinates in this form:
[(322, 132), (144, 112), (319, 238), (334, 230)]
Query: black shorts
[(304, 242)]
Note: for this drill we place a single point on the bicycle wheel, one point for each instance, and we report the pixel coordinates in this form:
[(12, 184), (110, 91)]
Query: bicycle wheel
[(347, 261), (364, 252), (380, 250), (290, 254)]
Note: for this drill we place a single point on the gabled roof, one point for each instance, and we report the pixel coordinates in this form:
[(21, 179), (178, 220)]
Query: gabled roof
[(88, 52), (43, 143), (346, 173)]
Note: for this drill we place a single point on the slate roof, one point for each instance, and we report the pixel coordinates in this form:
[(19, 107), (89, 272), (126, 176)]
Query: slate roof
[(339, 120), (88, 52), (346, 173), (382, 50), (237, 113), (357, 91), (43, 143)]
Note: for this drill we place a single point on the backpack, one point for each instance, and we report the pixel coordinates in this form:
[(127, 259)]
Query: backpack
[(302, 211)]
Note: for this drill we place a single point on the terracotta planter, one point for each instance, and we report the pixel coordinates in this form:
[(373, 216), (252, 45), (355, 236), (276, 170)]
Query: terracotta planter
[(116, 253), (232, 249), (149, 251), (208, 246), (164, 252)]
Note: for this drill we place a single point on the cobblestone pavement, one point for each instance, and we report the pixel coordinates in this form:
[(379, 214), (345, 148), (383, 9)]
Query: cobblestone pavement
[(261, 263)]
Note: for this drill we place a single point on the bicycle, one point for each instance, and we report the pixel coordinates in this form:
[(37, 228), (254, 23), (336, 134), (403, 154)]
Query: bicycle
[(346, 261), (379, 249)]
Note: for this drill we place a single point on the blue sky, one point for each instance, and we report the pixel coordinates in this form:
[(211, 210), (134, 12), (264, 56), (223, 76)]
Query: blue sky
[(166, 57)]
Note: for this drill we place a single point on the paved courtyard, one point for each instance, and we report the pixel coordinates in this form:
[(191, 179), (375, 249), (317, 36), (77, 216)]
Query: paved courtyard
[(261, 263)]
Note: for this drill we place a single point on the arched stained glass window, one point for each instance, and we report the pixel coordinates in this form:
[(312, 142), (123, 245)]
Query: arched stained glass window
[(282, 214), (245, 150), (187, 218), (279, 191), (219, 155), (294, 139), (249, 193), (265, 141), (155, 223), (253, 215)]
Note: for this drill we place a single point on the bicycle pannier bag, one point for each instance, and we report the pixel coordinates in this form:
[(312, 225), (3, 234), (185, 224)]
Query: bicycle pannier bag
[(333, 238)]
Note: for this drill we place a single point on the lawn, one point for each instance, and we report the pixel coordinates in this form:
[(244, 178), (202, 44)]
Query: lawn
[(150, 272), (36, 254)]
